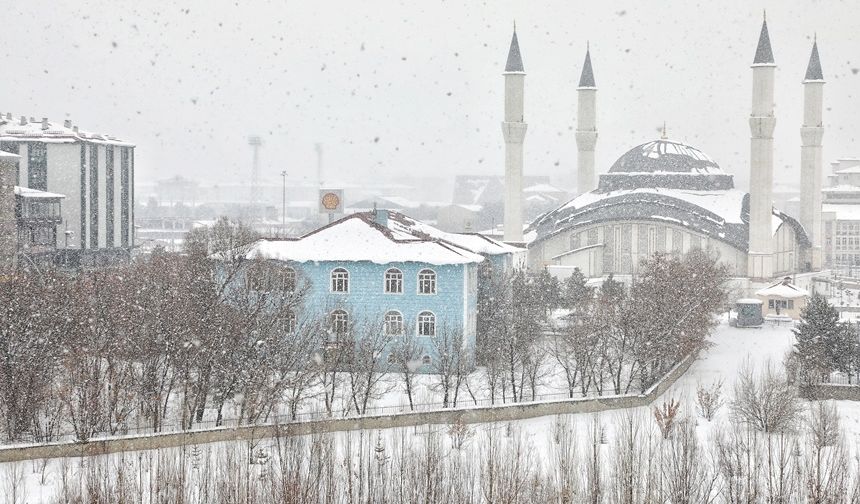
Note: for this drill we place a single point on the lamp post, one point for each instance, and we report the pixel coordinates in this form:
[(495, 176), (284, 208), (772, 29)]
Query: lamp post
[(284, 206)]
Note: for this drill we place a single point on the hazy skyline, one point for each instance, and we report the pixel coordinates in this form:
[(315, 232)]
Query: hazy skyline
[(416, 88)]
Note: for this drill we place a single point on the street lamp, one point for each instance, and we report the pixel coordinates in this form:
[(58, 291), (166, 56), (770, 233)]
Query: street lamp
[(284, 206)]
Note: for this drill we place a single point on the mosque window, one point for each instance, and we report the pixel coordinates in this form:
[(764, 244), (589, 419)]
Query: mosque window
[(575, 241)]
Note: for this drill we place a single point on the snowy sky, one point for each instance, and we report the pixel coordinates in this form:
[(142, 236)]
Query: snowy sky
[(415, 87)]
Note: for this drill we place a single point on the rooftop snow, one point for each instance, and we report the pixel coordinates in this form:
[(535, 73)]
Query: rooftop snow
[(12, 130), (783, 289), (26, 192), (358, 238), (474, 242), (844, 212)]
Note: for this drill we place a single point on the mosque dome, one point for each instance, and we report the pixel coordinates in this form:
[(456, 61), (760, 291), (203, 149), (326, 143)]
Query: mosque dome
[(665, 164), (665, 156)]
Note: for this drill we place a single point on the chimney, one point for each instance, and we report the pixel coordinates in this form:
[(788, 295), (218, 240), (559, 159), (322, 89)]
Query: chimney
[(67, 123), (380, 216), (23, 120), (44, 123)]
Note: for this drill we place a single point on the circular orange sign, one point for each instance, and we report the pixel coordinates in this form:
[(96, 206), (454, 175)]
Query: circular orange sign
[(330, 201)]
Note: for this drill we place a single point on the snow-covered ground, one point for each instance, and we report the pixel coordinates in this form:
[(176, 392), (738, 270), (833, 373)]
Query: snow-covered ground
[(731, 349)]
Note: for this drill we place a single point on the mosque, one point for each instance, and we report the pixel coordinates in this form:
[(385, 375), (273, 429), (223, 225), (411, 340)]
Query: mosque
[(665, 196)]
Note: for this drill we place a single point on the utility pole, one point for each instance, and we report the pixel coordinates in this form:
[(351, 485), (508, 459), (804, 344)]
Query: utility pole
[(255, 142), (284, 206)]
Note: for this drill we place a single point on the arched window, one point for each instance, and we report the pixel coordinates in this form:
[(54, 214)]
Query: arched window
[(426, 281), (393, 323), (290, 323), (339, 280), (394, 281), (426, 360), (339, 322), (289, 279), (426, 324)]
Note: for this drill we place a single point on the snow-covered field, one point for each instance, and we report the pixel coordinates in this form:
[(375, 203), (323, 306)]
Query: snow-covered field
[(732, 348)]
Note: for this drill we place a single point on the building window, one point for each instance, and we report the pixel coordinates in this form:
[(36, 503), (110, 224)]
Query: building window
[(124, 198), (340, 280), (393, 323), (575, 241), (427, 282), (109, 196), (339, 322), (94, 196), (426, 324), (12, 147), (426, 360), (263, 276), (37, 166), (394, 281)]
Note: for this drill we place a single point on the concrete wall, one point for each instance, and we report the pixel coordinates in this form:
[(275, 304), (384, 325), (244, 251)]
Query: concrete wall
[(499, 413)]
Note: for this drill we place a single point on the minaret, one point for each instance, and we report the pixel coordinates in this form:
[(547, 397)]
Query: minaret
[(762, 122), (811, 134), (586, 127), (514, 131)]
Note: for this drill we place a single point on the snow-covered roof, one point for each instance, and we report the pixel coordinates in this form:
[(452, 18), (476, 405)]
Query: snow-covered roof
[(474, 242), (665, 156), (842, 188), (543, 188), (748, 301), (11, 130), (844, 212), (26, 192), (783, 289), (720, 214), (358, 237), (725, 204)]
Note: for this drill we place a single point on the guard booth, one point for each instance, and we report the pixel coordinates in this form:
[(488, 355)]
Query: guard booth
[(749, 312)]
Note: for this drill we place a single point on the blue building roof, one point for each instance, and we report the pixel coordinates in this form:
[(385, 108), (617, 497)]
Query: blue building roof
[(382, 237)]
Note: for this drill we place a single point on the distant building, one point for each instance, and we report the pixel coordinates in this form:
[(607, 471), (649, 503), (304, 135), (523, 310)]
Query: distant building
[(666, 196), (384, 267), (841, 217), (38, 216), (96, 174), (783, 299), (8, 221)]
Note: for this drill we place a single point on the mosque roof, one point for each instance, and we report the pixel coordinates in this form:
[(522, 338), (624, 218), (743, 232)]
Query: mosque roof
[(665, 181)]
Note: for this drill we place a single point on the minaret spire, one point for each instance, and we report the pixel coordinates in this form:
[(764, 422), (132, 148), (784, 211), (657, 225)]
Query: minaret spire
[(586, 126), (813, 69), (763, 51), (514, 133), (515, 61), (811, 135), (762, 123)]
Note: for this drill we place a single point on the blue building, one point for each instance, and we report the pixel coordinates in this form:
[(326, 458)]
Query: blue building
[(383, 269)]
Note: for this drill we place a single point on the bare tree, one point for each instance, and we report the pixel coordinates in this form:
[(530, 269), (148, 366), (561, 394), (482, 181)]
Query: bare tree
[(826, 474), (709, 399), (452, 363), (765, 401), (405, 359)]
